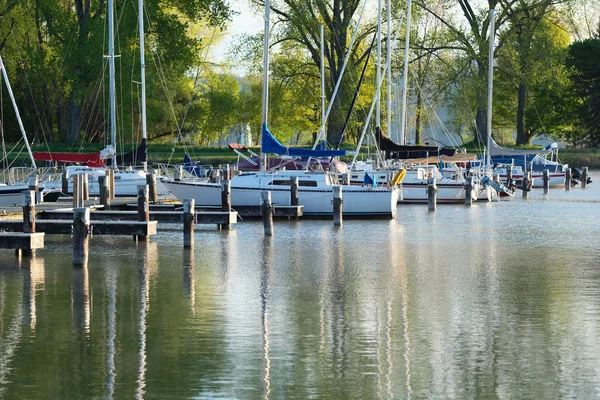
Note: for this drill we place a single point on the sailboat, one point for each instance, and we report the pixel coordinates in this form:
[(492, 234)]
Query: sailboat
[(11, 194), (414, 183), (126, 180), (315, 188)]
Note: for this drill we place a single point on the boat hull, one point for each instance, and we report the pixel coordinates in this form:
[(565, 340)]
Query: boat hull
[(12, 195), (358, 201), (447, 193)]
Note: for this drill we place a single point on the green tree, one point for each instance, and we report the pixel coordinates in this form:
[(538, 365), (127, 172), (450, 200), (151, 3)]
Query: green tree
[(584, 61), (531, 65)]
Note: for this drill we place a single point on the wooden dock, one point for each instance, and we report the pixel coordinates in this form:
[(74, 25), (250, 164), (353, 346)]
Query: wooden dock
[(170, 217), (64, 227)]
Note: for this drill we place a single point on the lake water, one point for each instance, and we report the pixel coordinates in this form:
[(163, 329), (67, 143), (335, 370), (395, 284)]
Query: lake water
[(499, 300)]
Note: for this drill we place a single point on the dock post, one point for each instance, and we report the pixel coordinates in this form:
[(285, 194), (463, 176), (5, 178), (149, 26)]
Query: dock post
[(178, 173), (151, 182), (28, 218), (78, 190), (568, 176), (546, 178), (143, 208), (526, 183), (346, 178), (226, 173), (64, 183), (104, 191), (189, 209), (338, 204), (469, 191), (81, 229), (294, 197), (226, 200), (584, 175), (267, 213), (111, 183), (34, 184), (432, 194), (85, 186), (508, 174)]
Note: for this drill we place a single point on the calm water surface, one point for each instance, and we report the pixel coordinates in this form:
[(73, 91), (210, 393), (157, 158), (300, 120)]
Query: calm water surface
[(498, 300)]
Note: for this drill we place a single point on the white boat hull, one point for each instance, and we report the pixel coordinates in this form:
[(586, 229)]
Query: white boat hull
[(126, 182), (316, 201), (450, 193), (12, 195)]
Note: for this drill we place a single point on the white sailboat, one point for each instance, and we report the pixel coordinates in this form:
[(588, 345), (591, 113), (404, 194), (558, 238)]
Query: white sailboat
[(315, 189)]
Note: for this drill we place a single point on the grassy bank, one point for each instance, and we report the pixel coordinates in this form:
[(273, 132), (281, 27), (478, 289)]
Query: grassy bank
[(162, 153)]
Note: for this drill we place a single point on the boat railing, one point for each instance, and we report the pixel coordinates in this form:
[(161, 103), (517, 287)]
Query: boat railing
[(21, 174)]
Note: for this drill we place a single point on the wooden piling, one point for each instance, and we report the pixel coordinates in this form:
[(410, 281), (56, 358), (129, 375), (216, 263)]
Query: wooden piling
[(81, 229), (85, 186), (338, 204), (104, 191), (508, 174), (111, 183), (226, 200), (143, 208), (294, 197), (28, 218), (189, 208), (34, 185), (78, 190), (526, 184), (432, 194), (64, 182), (226, 173), (151, 182), (178, 173), (584, 177), (267, 213), (568, 176), (546, 180), (469, 191)]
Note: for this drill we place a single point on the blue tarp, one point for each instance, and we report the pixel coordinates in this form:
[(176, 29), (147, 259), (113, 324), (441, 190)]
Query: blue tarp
[(272, 145), (192, 167)]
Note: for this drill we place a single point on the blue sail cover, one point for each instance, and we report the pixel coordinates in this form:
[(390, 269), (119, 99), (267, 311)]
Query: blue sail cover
[(272, 145), (192, 167)]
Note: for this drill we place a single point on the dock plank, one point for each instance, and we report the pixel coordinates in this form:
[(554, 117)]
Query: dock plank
[(22, 241), (63, 227)]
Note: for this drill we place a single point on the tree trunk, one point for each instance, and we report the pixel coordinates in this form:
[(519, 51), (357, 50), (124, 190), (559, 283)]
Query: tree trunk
[(419, 117), (522, 136), (74, 118)]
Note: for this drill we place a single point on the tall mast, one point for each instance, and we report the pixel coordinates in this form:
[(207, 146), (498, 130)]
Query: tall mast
[(111, 74), (143, 72), (388, 66), (378, 75), (322, 76), (12, 99), (402, 138), (490, 83), (14, 103), (265, 91)]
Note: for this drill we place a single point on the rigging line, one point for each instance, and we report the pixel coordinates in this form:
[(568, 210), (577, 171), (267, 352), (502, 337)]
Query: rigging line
[(41, 127), (430, 109), (196, 82), (4, 155)]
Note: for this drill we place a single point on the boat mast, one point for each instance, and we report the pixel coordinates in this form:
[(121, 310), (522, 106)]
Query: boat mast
[(388, 66), (378, 74), (402, 136), (143, 72), (111, 74), (14, 103), (322, 76), (490, 83), (265, 88)]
